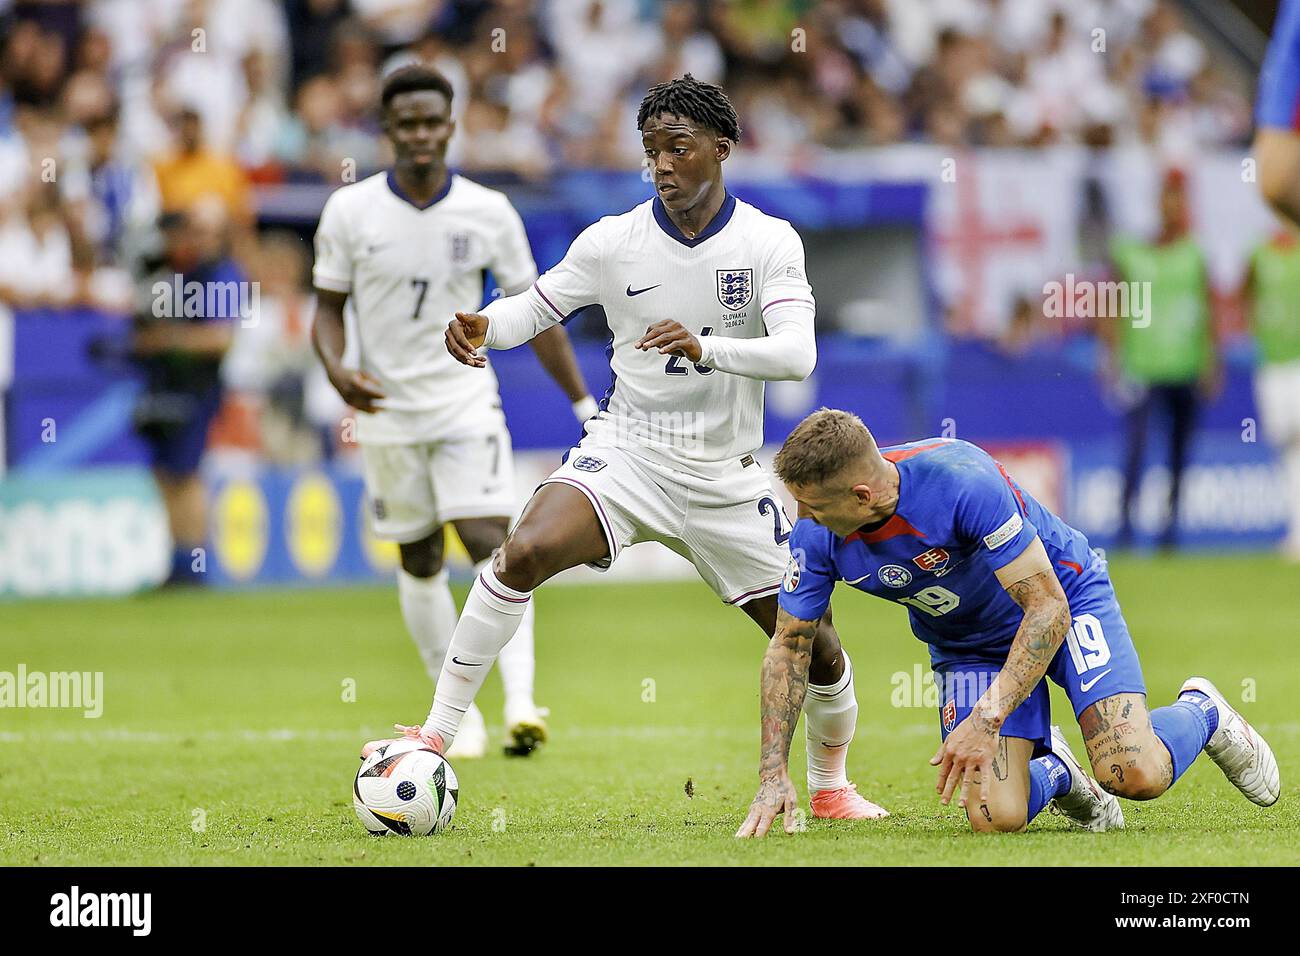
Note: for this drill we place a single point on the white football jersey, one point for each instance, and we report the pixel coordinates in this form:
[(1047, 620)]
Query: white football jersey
[(641, 269), (407, 271)]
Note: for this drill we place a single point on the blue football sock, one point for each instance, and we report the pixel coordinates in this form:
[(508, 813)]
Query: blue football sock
[(1048, 777), (180, 564), (1184, 727)]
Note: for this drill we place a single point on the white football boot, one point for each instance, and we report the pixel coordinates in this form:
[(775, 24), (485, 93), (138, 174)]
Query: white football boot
[(1241, 753), (525, 729), (1087, 805), (471, 741)]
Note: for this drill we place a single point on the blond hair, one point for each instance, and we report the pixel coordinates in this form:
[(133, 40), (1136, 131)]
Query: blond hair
[(823, 445)]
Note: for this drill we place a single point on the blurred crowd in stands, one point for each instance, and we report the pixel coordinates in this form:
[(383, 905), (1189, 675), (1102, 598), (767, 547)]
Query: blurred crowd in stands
[(134, 133), (107, 118)]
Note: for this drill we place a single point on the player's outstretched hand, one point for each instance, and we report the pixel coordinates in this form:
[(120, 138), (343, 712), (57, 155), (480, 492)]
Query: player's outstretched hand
[(357, 389), (671, 337), (465, 337), (969, 750), (776, 795)]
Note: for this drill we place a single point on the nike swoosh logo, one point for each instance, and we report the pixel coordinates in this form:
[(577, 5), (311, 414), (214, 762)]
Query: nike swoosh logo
[(639, 291), (857, 580), (1086, 685), (457, 660)]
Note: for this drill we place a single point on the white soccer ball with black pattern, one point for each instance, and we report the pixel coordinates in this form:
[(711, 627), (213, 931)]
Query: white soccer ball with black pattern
[(405, 788)]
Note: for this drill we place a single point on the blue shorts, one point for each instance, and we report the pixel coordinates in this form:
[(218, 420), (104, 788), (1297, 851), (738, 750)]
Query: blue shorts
[(1097, 660), (1278, 102), (179, 448)]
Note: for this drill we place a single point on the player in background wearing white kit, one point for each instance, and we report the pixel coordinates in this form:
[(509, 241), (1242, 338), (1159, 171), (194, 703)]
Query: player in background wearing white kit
[(706, 299), (407, 248)]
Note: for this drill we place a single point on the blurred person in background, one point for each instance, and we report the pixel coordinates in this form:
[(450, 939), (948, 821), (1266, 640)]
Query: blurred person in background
[(1026, 329), (115, 205), (36, 62), (1272, 298), (202, 60), (271, 367), (358, 134), (496, 141), (1168, 360), (262, 119), (184, 327), (398, 22), (192, 171), (684, 46), (308, 142), (39, 254), (516, 97), (312, 24)]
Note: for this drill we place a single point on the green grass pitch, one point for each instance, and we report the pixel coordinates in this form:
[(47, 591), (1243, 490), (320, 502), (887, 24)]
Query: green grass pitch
[(226, 738)]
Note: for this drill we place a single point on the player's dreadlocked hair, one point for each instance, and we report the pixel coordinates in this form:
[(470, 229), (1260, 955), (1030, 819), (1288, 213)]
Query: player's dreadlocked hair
[(704, 103)]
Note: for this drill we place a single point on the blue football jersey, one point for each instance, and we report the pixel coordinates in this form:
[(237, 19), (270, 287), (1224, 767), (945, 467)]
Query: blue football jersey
[(960, 517)]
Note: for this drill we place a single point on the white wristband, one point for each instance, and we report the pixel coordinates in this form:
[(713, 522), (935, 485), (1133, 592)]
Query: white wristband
[(585, 408)]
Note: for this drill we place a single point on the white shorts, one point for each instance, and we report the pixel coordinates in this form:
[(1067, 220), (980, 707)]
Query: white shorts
[(1277, 393), (732, 528), (416, 489)]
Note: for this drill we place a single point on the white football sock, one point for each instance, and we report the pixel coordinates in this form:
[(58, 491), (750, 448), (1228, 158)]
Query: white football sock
[(517, 667), (430, 614), (516, 662), (830, 718), (489, 619)]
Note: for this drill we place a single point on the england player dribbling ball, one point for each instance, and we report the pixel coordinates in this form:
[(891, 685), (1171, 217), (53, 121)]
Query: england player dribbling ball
[(707, 298)]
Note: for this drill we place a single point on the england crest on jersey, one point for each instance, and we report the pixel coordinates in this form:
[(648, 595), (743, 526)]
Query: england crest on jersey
[(735, 288), (459, 247)]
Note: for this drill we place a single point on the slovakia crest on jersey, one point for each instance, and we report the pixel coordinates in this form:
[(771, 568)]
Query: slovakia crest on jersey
[(735, 288), (936, 559), (895, 576), (950, 715)]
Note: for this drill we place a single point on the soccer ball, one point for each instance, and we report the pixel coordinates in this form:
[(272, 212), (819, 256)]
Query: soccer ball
[(405, 788)]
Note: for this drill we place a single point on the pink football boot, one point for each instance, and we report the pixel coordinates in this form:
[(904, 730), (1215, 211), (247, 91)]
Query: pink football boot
[(432, 741), (844, 803)]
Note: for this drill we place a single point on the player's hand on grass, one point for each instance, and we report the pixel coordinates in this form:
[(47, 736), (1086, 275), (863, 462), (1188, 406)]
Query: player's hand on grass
[(671, 338), (465, 336), (776, 795), (357, 389), (969, 750)]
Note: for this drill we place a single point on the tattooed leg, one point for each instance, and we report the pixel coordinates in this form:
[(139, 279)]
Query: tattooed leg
[(1128, 759), (1008, 806)]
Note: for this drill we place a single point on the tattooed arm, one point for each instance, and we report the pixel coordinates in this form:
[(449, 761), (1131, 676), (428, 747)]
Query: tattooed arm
[(970, 748), (784, 683), (1033, 585)]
